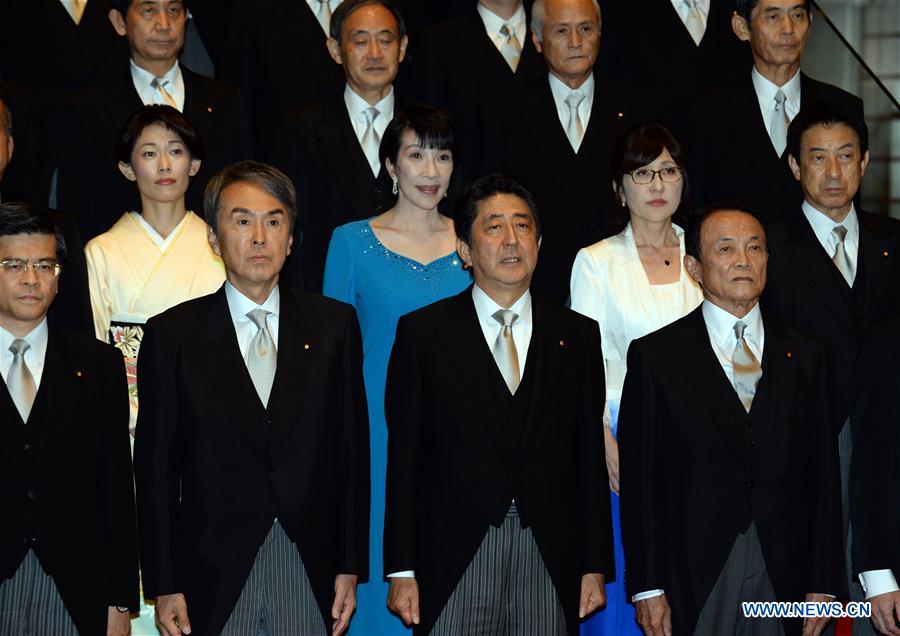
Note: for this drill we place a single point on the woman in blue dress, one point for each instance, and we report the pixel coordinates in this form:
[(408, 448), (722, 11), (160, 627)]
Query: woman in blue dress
[(387, 266)]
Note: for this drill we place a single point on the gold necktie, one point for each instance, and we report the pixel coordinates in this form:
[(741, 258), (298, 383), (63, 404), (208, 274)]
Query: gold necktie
[(505, 348), (747, 371)]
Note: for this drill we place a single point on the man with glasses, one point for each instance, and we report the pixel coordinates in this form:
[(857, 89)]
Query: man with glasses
[(68, 541)]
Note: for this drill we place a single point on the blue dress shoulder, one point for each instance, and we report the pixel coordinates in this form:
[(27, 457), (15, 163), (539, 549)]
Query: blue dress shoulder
[(382, 285)]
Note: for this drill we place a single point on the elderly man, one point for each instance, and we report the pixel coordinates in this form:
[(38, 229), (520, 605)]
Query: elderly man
[(728, 462), (497, 514), (833, 268), (251, 458), (554, 135), (68, 541)]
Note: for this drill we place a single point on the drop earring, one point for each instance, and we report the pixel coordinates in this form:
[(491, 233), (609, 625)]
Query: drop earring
[(394, 189)]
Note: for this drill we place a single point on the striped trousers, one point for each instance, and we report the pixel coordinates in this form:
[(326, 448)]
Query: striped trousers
[(277, 599), (30, 604), (505, 591)]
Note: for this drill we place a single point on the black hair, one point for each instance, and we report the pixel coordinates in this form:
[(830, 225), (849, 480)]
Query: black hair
[(825, 114), (266, 177), (347, 7), (157, 114), (17, 217), (639, 147), (744, 8), (482, 189), (431, 126), (4, 108), (695, 227), (122, 6)]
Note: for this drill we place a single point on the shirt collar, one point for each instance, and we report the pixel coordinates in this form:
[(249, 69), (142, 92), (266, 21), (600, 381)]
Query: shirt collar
[(485, 307), (356, 104), (493, 23), (822, 225), (720, 325), (239, 305), (561, 91), (765, 90), (37, 339), (143, 77), (703, 5)]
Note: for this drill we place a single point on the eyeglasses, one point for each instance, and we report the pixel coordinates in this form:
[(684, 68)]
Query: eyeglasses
[(18, 267), (643, 176)]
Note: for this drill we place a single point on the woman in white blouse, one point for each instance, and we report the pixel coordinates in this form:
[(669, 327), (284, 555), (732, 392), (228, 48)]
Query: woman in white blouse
[(633, 283)]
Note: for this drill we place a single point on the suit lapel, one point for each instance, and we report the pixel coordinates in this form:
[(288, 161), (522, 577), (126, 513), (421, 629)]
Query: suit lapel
[(747, 121), (221, 357), (123, 101), (878, 255), (780, 373), (545, 354), (198, 108), (293, 356), (60, 384), (344, 154)]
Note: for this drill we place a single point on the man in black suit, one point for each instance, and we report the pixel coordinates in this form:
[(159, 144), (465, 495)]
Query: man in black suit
[(832, 263), (460, 62), (742, 131), (68, 541), (72, 307), (555, 135), (330, 148), (252, 451), (90, 185), (728, 463), (497, 513), (874, 503)]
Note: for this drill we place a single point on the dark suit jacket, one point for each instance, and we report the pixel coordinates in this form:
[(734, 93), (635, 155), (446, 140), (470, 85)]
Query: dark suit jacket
[(454, 463), (730, 154), (805, 289), (72, 307), (691, 480), (213, 468), (65, 480), (875, 422), (521, 135), (90, 184), (457, 66), (20, 182), (277, 57), (318, 149)]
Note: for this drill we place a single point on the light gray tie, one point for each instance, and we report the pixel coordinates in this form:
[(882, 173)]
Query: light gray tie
[(512, 48), (19, 380), (371, 140), (575, 129), (840, 258), (323, 15), (505, 348), (694, 20), (780, 123), (160, 86), (747, 371), (262, 357)]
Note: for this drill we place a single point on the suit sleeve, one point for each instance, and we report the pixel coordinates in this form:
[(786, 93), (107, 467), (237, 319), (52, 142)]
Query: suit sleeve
[(122, 535), (354, 544), (156, 467), (403, 410), (640, 440), (592, 474)]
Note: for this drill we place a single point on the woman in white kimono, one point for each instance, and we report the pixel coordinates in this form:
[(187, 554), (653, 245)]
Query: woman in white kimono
[(633, 283), (159, 257)]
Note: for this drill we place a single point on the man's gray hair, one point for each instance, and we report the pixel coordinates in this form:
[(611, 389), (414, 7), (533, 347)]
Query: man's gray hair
[(538, 12)]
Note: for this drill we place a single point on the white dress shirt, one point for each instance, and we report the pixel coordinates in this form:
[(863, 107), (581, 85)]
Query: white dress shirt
[(493, 23), (765, 93), (720, 327), (822, 227), (560, 92), (356, 107), (239, 306), (683, 9), (34, 357), (149, 95), (314, 7)]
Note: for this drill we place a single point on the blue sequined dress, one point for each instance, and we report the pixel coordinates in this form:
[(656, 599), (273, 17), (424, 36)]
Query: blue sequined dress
[(382, 285)]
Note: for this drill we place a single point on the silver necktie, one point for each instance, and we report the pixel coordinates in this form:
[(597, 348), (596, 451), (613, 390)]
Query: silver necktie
[(505, 349), (512, 48), (323, 15), (19, 380), (747, 371), (694, 21), (840, 258), (780, 123), (262, 357), (371, 141), (160, 86), (575, 129)]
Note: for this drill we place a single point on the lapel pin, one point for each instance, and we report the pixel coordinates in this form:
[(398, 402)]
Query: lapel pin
[(885, 253), (789, 355), (209, 109), (620, 115), (306, 347), (78, 373), (562, 343)]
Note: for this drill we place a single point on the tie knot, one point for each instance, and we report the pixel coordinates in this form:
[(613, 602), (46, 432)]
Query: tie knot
[(780, 98), (840, 233), (159, 82), (19, 346), (739, 328), (258, 317), (692, 4), (506, 317), (371, 114), (508, 31), (574, 99)]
